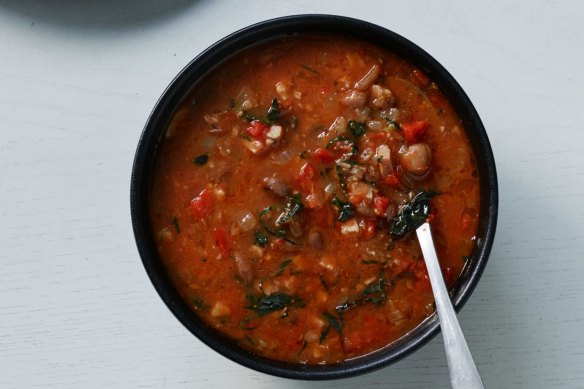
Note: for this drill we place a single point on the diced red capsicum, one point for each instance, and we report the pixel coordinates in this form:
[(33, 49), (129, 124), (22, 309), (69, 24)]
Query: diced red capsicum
[(414, 131), (305, 178), (324, 156), (392, 180), (201, 205), (370, 229), (380, 204), (258, 129), (222, 240)]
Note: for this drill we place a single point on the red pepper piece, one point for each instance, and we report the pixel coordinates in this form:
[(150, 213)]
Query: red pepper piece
[(324, 156), (380, 204), (222, 240), (258, 129), (370, 229), (414, 131), (201, 205), (392, 180)]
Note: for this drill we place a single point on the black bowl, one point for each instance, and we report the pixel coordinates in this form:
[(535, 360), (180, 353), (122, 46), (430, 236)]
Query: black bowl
[(209, 60)]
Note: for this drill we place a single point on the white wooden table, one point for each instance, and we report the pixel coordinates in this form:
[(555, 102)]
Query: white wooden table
[(77, 81)]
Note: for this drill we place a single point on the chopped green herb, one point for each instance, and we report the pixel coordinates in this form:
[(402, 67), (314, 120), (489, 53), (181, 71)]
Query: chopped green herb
[(283, 267), (324, 333), (199, 303), (371, 262), (293, 206), (333, 322), (274, 112), (412, 215), (266, 304), (251, 117), (375, 292), (279, 233), (323, 283), (311, 70), (346, 209), (201, 159), (176, 225), (392, 125), (247, 138), (356, 128), (260, 239), (304, 344), (248, 116)]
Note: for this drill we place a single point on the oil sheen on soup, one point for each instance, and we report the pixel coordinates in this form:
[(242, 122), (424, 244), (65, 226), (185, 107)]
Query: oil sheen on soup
[(284, 191)]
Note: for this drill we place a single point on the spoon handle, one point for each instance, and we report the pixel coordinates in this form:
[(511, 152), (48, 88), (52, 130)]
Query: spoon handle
[(463, 372)]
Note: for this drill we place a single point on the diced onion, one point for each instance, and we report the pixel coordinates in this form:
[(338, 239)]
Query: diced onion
[(275, 132), (245, 220), (350, 227), (368, 79), (283, 157), (255, 146), (330, 189), (220, 309), (339, 126)]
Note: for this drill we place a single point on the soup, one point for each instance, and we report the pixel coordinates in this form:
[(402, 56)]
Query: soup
[(286, 188)]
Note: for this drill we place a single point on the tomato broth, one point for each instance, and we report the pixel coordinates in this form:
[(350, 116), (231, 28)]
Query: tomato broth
[(286, 188)]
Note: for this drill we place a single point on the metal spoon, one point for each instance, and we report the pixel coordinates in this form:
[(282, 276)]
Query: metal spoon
[(463, 371)]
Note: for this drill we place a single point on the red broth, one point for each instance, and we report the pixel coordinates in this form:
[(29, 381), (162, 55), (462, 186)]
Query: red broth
[(278, 189)]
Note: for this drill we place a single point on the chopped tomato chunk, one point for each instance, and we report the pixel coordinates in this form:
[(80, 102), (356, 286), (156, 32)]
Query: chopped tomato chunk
[(222, 240), (414, 131), (392, 180), (380, 204), (431, 215), (370, 229), (323, 156), (305, 178), (306, 172), (258, 129), (201, 205)]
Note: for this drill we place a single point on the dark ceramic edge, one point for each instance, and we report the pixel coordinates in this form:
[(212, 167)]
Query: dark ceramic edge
[(173, 95)]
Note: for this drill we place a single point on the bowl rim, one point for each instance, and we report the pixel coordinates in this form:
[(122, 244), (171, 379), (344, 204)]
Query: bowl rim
[(262, 32)]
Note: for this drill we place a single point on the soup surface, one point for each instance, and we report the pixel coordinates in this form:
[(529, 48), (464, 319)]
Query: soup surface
[(286, 188)]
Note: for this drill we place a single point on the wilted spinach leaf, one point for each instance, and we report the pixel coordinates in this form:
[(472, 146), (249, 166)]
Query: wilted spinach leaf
[(274, 112), (260, 239), (293, 206), (346, 209), (266, 304), (201, 159), (412, 215), (356, 128)]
